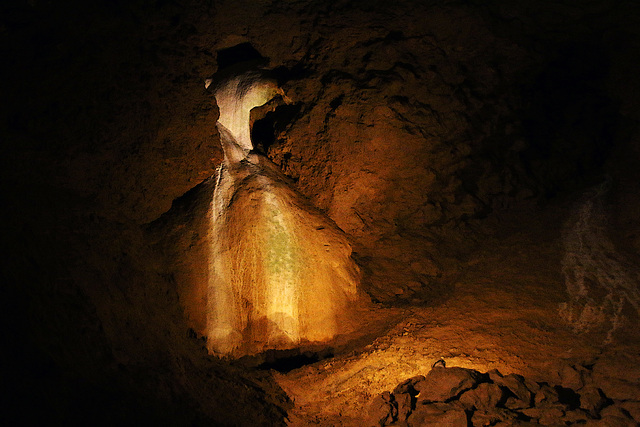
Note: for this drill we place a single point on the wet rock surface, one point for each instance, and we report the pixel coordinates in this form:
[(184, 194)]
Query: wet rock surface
[(494, 399)]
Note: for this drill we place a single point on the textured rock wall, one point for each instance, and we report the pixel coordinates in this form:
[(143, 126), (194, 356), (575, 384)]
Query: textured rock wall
[(393, 126), (429, 103), (412, 126)]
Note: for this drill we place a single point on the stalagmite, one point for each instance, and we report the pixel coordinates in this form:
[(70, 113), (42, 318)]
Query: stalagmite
[(280, 272)]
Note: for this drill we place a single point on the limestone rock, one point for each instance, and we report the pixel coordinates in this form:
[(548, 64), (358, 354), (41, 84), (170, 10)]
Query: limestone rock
[(404, 403), (613, 415), (494, 375), (486, 396), (449, 396), (442, 384), (632, 407), (618, 412), (408, 386), (545, 416), (516, 422), (438, 414), (572, 377), (618, 380), (592, 400), (405, 394), (515, 404), (576, 416), (533, 386), (612, 421), (546, 396), (492, 416), (382, 410), (521, 395)]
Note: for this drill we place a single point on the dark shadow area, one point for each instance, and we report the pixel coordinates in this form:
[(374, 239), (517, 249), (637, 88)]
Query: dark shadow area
[(243, 52), (284, 74), (265, 131), (288, 360), (308, 354), (237, 60), (570, 122), (568, 396)]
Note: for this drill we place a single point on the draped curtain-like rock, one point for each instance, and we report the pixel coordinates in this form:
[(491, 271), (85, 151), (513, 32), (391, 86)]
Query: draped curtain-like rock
[(280, 272)]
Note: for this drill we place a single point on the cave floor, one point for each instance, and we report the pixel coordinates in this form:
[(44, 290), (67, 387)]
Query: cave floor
[(502, 314)]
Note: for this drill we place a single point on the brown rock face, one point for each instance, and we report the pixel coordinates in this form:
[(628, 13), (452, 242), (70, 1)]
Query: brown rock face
[(442, 384), (485, 396), (521, 395), (438, 415), (382, 411)]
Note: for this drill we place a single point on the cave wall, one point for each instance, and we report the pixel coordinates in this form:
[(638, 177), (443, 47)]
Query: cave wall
[(414, 127), (416, 121)]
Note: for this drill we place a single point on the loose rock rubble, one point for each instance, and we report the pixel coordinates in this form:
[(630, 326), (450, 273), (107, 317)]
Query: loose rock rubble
[(465, 397)]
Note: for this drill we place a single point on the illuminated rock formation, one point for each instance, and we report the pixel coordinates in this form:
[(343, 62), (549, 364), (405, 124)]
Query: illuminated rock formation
[(280, 272)]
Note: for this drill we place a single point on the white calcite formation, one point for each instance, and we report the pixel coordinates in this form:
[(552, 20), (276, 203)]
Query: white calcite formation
[(280, 272), (235, 98)]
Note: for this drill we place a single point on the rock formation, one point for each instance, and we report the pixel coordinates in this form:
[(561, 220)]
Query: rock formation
[(280, 272), (459, 397)]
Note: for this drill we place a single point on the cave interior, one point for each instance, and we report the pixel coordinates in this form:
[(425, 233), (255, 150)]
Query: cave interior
[(474, 167)]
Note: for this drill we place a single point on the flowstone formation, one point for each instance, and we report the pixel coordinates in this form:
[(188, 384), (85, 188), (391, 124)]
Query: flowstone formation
[(280, 273)]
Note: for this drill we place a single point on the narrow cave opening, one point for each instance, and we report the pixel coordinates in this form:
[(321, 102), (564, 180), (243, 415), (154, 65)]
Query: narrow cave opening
[(241, 53), (288, 360), (265, 131)]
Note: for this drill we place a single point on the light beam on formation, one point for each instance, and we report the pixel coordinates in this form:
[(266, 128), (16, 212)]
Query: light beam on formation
[(280, 272)]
